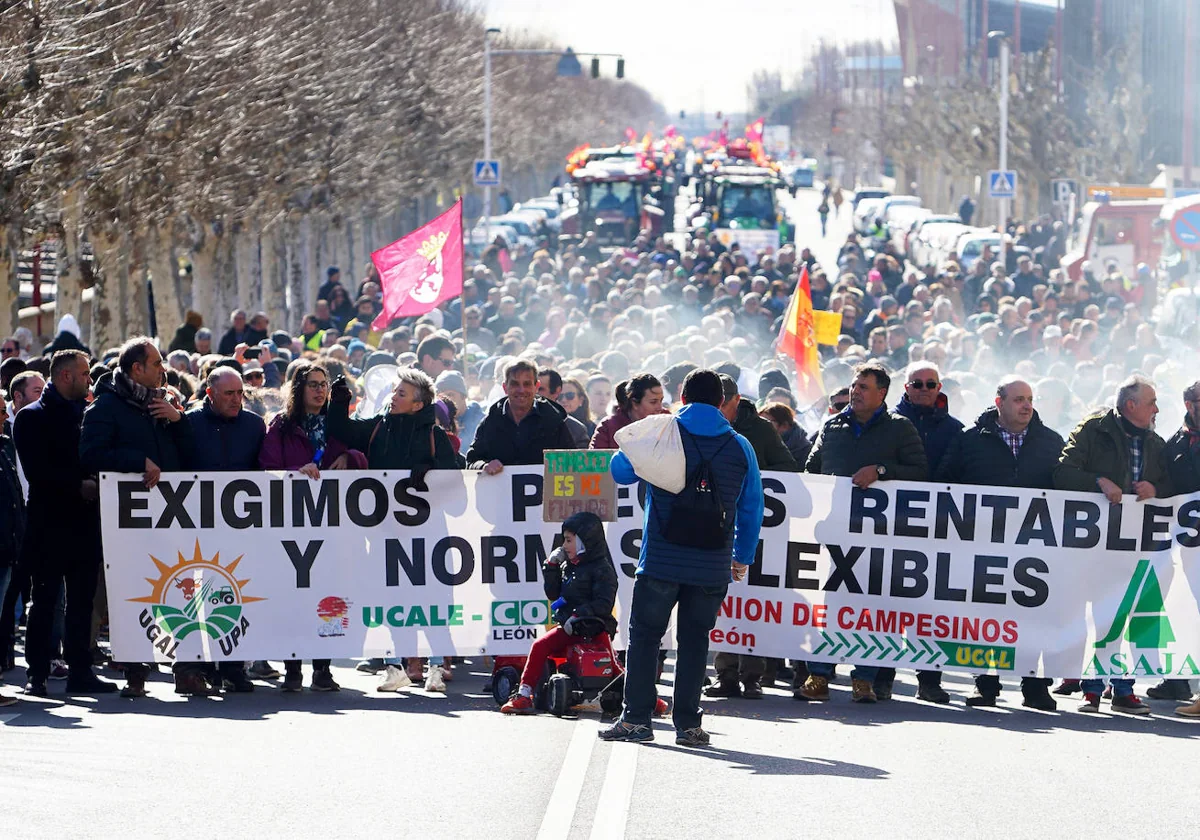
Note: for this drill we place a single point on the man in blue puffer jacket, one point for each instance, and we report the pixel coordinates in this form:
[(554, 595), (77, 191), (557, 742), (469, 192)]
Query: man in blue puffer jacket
[(695, 578)]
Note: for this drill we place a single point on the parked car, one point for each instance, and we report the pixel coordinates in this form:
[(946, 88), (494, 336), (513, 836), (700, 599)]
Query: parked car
[(921, 236), (868, 192), (864, 214), (970, 245)]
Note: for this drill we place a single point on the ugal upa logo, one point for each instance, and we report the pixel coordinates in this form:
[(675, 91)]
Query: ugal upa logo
[(1142, 621), (196, 594)]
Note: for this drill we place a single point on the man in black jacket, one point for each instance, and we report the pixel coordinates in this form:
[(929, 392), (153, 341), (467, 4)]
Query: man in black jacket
[(869, 444), (1008, 446), (12, 534), (132, 427), (226, 438), (519, 427), (63, 548), (1183, 466)]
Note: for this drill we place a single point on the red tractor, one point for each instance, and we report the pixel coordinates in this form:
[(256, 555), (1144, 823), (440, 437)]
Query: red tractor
[(614, 201)]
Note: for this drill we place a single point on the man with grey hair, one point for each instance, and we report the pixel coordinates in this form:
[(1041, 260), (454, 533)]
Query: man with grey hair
[(235, 335), (225, 438), (1114, 452), (519, 427), (1008, 446)]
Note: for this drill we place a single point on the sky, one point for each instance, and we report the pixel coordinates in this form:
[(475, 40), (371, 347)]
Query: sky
[(699, 55)]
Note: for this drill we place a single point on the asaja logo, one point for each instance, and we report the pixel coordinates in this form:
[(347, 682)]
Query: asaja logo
[(1142, 621), (195, 594), (1141, 616)]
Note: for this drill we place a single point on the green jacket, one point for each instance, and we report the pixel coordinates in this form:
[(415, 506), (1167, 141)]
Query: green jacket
[(888, 440), (768, 447), (1099, 448)]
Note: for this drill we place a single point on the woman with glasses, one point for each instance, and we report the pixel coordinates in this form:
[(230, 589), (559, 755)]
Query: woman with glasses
[(297, 439)]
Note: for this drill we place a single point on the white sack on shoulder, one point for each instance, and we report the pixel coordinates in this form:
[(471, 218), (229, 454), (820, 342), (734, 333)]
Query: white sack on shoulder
[(655, 450)]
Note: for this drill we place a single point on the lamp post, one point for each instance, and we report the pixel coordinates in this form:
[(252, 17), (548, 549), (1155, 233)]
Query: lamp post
[(1003, 136), (568, 65)]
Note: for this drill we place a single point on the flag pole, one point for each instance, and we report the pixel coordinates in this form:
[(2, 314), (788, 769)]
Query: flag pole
[(462, 295)]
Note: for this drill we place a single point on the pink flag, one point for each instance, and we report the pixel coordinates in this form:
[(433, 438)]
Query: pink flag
[(421, 270)]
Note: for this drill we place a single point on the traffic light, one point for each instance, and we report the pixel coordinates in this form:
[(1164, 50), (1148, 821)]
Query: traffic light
[(595, 68), (620, 68)]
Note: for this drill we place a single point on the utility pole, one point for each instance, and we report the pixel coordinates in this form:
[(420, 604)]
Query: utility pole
[(1003, 141), (1189, 87), (983, 39)]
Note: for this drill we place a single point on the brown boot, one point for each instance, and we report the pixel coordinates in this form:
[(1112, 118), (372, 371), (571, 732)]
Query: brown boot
[(1191, 710), (862, 691), (815, 689)]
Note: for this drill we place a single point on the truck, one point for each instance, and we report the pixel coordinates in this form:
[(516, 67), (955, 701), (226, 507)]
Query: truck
[(1123, 231), (741, 205), (615, 199)]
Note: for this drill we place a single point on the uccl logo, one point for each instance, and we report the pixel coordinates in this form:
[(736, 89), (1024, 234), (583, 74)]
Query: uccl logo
[(1141, 617), (195, 594)]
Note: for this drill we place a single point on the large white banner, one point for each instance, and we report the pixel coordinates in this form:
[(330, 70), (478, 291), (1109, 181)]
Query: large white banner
[(210, 566)]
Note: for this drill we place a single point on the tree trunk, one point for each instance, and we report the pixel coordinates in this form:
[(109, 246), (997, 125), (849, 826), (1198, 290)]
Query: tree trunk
[(313, 276), (249, 274), (160, 268), (206, 277), (10, 255), (274, 289), (111, 259), (296, 292)]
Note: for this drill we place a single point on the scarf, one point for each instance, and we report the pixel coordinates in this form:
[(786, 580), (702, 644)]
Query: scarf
[(1130, 429), (314, 427), (138, 396)]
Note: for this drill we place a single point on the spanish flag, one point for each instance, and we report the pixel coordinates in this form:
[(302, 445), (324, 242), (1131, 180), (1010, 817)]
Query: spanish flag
[(797, 338)]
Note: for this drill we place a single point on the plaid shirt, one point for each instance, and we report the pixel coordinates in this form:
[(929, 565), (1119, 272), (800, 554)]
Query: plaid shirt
[(1013, 439), (1137, 447)]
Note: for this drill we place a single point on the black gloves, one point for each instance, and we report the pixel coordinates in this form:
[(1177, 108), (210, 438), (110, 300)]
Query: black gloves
[(340, 393)]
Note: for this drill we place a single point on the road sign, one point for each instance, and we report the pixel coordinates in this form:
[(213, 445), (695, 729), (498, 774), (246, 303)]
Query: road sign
[(1002, 183), (1062, 189), (487, 173), (1124, 192), (1185, 228)]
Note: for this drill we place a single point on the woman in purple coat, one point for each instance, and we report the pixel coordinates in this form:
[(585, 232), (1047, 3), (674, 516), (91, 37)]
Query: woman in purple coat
[(296, 440)]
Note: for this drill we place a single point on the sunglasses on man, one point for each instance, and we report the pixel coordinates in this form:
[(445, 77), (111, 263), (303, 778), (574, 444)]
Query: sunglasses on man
[(918, 384)]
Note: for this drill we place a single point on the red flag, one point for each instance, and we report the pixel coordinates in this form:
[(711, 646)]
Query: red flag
[(754, 131), (421, 270), (798, 339)]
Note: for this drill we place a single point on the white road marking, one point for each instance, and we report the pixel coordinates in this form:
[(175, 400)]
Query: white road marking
[(564, 799), (6, 718), (612, 812)]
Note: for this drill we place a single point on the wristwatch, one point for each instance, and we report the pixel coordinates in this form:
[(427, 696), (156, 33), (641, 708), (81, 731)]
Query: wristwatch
[(880, 470)]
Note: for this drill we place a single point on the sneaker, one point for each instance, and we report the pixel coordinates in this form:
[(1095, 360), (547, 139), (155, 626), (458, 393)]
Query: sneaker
[(134, 687), (193, 684), (815, 688), (435, 681), (393, 679), (694, 737), (622, 731), (660, 707), (37, 687), (262, 670), (519, 704), (293, 682), (5, 700), (752, 690), (724, 688), (978, 699), (1068, 687), (862, 691), (59, 670), (933, 694), (1091, 703), (322, 680), (1039, 699), (1171, 690), (1130, 704), (89, 683), (370, 666), (1192, 710)]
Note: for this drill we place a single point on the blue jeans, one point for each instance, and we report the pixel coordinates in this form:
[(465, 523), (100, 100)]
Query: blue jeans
[(1120, 687), (860, 672), (653, 600)]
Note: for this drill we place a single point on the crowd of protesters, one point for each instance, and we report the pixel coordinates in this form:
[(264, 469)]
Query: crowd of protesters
[(996, 374)]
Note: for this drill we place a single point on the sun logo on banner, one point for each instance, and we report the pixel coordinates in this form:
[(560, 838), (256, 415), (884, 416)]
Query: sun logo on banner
[(430, 285), (197, 593)]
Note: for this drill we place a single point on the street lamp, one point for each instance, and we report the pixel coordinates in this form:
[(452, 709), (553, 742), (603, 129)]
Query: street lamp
[(1003, 38), (568, 65)]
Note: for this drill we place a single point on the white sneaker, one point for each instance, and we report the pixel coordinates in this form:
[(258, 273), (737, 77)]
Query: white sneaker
[(394, 680), (434, 681)]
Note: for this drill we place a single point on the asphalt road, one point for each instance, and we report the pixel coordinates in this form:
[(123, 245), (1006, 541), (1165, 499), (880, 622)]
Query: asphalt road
[(361, 764)]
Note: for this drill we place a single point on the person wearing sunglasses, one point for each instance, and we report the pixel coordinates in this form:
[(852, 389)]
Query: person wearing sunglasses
[(928, 409), (435, 356)]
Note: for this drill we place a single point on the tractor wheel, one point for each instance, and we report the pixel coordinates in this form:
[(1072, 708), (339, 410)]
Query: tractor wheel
[(559, 694), (504, 683)]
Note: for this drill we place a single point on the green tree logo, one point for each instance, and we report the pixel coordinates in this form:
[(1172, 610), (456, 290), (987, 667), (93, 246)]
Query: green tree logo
[(1141, 616)]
